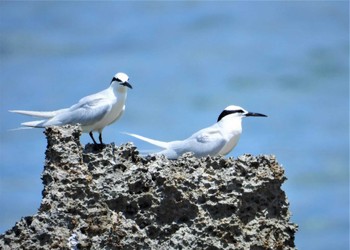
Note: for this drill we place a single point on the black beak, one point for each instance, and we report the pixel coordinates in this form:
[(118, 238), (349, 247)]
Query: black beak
[(126, 84), (255, 114)]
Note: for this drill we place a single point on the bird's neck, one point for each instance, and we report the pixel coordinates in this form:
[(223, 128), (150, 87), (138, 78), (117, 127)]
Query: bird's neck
[(121, 90), (118, 90), (232, 125)]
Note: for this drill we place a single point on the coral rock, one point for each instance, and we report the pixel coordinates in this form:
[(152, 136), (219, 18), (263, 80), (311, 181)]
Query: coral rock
[(113, 198)]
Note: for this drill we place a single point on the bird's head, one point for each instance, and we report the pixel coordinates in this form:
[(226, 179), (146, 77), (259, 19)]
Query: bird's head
[(121, 79), (236, 111)]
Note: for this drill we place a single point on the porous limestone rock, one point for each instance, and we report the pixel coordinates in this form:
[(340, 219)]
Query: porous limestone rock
[(115, 199)]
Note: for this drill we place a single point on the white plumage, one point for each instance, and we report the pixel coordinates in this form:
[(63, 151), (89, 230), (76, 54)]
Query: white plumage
[(93, 112), (218, 139)]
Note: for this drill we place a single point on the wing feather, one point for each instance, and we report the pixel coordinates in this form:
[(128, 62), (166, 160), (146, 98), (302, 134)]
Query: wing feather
[(85, 113)]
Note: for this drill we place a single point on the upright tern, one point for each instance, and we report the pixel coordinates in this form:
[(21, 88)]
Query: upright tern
[(218, 139), (93, 112)]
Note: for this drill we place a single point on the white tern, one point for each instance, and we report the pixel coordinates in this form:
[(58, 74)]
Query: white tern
[(218, 139), (93, 112)]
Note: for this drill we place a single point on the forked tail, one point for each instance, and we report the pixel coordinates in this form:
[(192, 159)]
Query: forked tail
[(34, 124), (160, 144), (41, 114), (31, 124)]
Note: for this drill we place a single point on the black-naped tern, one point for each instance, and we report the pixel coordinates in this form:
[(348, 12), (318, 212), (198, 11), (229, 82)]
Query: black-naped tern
[(93, 112), (218, 139)]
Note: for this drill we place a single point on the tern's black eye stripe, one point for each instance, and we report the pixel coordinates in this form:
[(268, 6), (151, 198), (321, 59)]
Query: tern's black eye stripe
[(116, 79), (228, 112)]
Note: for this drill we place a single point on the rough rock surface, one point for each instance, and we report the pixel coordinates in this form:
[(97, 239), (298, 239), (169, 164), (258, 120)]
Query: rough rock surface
[(115, 199)]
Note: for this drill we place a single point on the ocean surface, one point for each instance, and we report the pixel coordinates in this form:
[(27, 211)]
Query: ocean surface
[(187, 61)]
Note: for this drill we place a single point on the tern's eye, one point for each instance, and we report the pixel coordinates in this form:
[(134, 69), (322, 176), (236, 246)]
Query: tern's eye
[(118, 80)]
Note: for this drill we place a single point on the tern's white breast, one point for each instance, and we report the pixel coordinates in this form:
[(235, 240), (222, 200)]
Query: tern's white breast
[(117, 108)]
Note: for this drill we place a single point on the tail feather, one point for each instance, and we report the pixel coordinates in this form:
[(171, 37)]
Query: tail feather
[(20, 128), (41, 114), (34, 124), (160, 144)]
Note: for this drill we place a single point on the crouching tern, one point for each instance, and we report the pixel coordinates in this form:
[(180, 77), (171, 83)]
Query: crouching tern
[(93, 112), (218, 139)]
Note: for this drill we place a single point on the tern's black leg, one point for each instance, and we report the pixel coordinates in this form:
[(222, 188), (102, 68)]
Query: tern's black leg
[(96, 145), (100, 138), (92, 137)]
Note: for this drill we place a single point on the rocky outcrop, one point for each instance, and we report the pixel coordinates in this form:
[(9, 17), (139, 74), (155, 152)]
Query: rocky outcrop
[(115, 199)]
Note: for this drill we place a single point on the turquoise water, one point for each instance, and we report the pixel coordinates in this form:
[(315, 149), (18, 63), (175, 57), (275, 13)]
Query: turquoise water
[(187, 61)]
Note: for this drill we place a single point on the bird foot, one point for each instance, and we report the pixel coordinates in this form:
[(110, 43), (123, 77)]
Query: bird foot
[(99, 147)]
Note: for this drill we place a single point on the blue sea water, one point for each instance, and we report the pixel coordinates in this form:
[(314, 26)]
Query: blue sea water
[(187, 61)]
